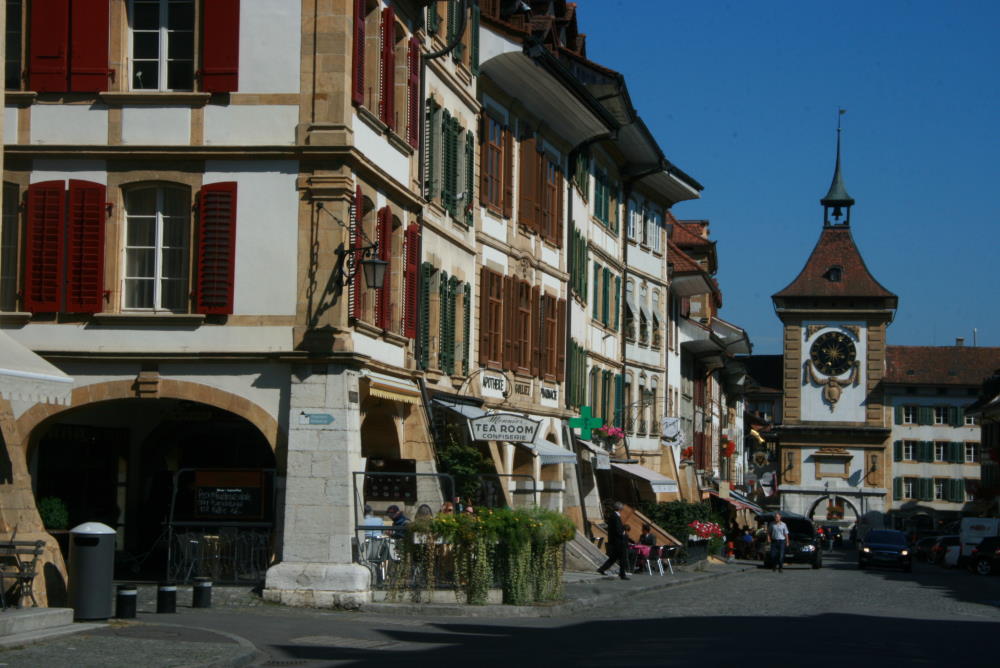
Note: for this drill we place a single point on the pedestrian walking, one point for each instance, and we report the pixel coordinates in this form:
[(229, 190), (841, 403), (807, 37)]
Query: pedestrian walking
[(617, 543), (777, 536)]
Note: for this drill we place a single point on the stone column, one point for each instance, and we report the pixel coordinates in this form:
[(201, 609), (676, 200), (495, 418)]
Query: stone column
[(317, 569)]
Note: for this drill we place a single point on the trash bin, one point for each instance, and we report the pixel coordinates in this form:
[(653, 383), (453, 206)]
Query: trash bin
[(91, 570)]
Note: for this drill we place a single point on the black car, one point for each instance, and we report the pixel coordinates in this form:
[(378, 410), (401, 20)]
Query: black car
[(884, 547), (922, 548), (803, 546), (985, 558)]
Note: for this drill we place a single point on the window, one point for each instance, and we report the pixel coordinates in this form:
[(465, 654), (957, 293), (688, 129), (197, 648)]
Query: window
[(9, 233), (909, 488), (940, 415), (657, 222), (654, 412), (67, 46), (643, 317), (939, 489), (540, 188), (940, 450), (633, 220), (971, 421), (553, 319), (445, 323), (491, 333), (156, 249), (523, 327), (971, 453), (640, 407), (162, 44), (630, 310), (657, 334), (491, 166), (909, 414), (909, 450), (648, 229), (12, 48)]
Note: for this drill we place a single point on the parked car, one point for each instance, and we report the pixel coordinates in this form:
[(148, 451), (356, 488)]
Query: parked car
[(945, 551), (885, 547), (985, 557), (973, 531), (803, 546), (922, 548)]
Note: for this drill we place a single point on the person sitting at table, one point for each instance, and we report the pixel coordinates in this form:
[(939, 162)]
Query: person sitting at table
[(372, 520), (647, 537), (447, 508), (399, 520)]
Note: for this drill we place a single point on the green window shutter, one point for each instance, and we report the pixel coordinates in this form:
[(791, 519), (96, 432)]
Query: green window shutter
[(447, 195), (897, 451), (957, 416), (474, 41), (442, 347), (597, 283), (617, 408), (433, 19), (605, 290), (899, 415), (925, 415), (424, 335), (897, 488), (957, 452), (470, 163), (928, 447), (466, 327), (452, 20), (618, 297)]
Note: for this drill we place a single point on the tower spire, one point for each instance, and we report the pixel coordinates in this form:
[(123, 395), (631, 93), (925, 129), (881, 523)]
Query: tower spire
[(837, 197)]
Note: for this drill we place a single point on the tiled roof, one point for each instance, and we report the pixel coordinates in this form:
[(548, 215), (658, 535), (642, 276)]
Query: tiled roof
[(688, 234), (835, 248), (683, 264), (940, 365)]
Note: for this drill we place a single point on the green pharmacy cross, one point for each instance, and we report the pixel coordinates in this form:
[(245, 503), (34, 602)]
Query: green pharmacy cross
[(585, 423)]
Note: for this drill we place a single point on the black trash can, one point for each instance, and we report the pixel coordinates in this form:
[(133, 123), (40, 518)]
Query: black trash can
[(91, 570)]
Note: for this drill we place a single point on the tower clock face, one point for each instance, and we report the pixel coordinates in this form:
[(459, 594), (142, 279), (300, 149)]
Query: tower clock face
[(832, 353)]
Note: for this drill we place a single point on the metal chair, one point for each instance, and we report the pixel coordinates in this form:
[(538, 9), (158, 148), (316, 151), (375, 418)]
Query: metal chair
[(667, 554)]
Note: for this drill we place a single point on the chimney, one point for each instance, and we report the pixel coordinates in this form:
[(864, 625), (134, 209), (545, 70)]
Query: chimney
[(960, 341)]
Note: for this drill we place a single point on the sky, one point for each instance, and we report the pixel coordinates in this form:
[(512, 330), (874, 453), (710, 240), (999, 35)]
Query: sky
[(743, 96)]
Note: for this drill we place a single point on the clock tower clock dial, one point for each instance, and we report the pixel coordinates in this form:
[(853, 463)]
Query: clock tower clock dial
[(833, 353)]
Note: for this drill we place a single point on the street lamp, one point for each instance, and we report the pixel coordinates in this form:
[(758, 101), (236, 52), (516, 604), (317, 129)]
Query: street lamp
[(370, 264)]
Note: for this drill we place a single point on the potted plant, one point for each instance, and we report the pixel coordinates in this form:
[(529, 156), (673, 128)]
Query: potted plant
[(609, 435)]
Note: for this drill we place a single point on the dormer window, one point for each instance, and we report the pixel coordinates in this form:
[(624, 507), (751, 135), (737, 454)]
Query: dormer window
[(834, 274)]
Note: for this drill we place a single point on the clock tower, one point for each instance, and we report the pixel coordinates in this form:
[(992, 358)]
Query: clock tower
[(834, 432)]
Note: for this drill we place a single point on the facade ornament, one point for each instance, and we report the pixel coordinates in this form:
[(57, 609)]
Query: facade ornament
[(832, 386)]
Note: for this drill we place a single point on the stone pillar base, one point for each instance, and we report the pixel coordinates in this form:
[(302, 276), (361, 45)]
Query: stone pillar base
[(318, 585)]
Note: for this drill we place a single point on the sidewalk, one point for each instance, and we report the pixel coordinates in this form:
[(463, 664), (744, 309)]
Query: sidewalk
[(220, 637)]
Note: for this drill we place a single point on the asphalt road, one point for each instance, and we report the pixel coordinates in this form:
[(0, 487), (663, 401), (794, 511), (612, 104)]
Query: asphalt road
[(834, 616)]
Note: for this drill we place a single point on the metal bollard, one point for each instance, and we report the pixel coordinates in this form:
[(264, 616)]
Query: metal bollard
[(125, 601), (201, 593), (166, 598)]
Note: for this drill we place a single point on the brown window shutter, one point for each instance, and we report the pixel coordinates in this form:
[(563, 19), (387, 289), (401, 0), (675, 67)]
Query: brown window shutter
[(509, 320), (411, 279), (357, 242), (527, 208), (537, 332), (85, 247), (43, 247), (558, 220), (508, 172), (483, 158), (383, 317), (358, 54), (388, 83), (485, 324), (560, 339)]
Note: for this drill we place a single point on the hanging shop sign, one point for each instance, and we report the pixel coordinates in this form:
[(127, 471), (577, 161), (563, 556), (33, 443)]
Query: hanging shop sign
[(494, 385), (504, 427)]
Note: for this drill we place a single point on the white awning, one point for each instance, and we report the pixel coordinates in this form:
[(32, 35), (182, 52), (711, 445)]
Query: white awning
[(739, 498), (550, 453), (465, 410), (658, 481), (599, 457), (26, 376), (391, 388)]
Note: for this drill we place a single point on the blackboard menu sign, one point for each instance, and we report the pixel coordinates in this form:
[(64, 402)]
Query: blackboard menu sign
[(229, 495), (391, 483)]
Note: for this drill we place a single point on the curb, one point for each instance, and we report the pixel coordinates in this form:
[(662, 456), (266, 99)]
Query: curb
[(249, 654), (554, 610)]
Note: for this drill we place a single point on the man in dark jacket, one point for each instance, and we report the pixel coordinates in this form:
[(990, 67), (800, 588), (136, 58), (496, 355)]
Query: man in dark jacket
[(617, 543), (399, 520)]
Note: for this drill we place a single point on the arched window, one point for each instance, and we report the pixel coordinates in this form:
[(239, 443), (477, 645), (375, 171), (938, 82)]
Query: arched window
[(655, 326), (654, 406), (630, 309), (643, 316), (629, 405), (633, 219), (641, 406), (157, 248)]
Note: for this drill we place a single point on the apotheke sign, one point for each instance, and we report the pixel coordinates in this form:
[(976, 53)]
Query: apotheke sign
[(504, 427)]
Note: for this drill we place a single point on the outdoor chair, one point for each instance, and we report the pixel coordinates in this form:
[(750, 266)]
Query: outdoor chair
[(667, 553)]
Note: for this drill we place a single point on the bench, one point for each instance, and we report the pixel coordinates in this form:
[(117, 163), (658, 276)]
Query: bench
[(19, 561)]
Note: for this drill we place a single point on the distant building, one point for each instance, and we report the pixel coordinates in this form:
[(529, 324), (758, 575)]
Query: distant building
[(986, 409)]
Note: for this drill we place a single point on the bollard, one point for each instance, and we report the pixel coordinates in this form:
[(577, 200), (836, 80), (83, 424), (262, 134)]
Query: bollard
[(166, 598), (125, 601), (201, 593)]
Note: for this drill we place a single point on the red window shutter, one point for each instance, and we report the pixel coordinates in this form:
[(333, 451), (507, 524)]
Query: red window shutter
[(486, 325), (537, 332), (388, 83), (509, 322), (508, 172), (383, 317), (88, 62), (412, 280), (48, 46), (358, 64), (413, 93), (527, 206), (357, 242), (43, 241), (560, 339), (85, 247), (220, 46), (216, 248)]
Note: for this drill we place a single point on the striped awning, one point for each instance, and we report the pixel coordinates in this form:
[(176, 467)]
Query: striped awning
[(659, 482), (391, 388), (26, 376)]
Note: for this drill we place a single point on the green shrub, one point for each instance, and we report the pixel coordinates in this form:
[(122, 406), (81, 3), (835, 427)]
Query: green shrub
[(53, 512), (675, 516)]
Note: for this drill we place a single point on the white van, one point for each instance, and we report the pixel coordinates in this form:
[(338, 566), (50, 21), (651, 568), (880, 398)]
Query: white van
[(973, 531)]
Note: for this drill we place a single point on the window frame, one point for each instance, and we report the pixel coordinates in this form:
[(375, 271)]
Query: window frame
[(163, 58), (14, 55), (971, 453), (940, 451), (940, 415), (909, 451), (909, 487), (909, 414), (184, 199)]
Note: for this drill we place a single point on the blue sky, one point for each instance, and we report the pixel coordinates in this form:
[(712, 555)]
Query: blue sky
[(744, 96)]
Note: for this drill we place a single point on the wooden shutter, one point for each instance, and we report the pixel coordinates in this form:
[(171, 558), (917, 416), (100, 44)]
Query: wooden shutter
[(466, 326), (447, 159), (484, 157), (560, 340), (216, 248), (509, 321), (220, 46), (357, 242), (470, 178), (358, 55), (474, 40), (596, 306), (88, 62), (618, 299), (85, 247), (413, 92), (606, 296), (48, 46), (43, 243), (897, 488), (538, 349), (424, 333), (411, 281), (616, 408), (508, 172), (557, 222), (388, 70), (897, 451), (527, 207), (484, 316), (383, 305), (898, 414)]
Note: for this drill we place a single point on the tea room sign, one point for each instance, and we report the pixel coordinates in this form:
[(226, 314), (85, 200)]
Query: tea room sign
[(504, 427)]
